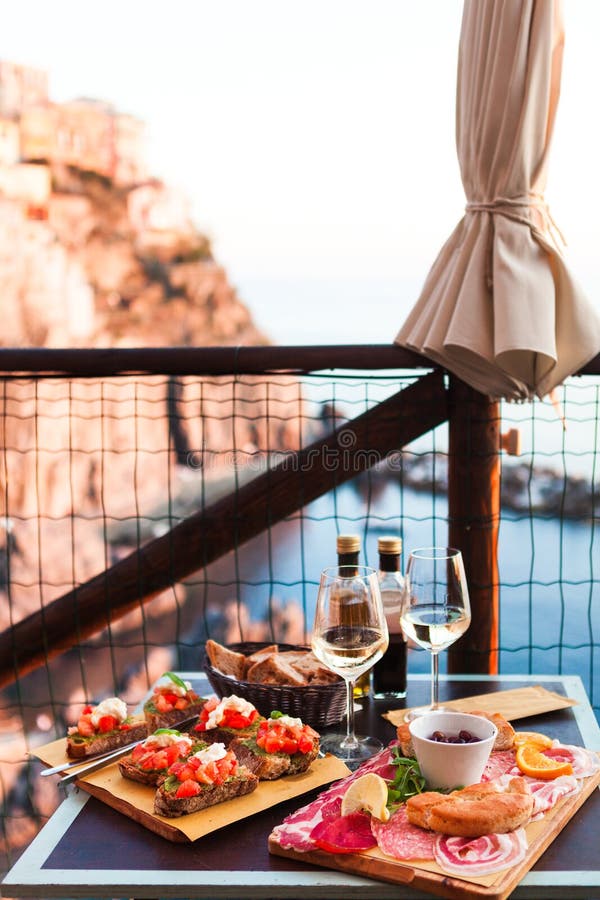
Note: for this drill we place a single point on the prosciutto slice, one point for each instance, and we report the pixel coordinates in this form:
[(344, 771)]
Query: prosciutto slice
[(480, 856), (546, 794), (500, 763), (584, 762), (399, 838)]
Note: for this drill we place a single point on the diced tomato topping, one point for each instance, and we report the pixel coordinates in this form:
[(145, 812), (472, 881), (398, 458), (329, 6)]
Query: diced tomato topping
[(107, 723), (85, 727), (86, 710), (232, 718), (213, 772), (124, 726), (162, 704), (173, 752), (290, 739), (202, 776), (185, 773), (188, 789)]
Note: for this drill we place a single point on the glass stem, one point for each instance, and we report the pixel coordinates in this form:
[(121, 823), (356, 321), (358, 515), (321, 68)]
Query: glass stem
[(434, 680), (350, 739)]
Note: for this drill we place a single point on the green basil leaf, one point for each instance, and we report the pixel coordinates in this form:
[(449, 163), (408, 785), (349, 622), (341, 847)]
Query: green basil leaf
[(176, 680)]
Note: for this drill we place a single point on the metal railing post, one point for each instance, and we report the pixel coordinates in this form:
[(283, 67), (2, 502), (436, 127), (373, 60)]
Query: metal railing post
[(473, 520)]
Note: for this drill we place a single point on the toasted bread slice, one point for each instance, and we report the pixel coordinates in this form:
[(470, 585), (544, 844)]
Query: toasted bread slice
[(167, 804), (275, 670), (79, 746), (269, 766), (259, 655), (505, 738), (129, 770), (307, 665), (228, 662)]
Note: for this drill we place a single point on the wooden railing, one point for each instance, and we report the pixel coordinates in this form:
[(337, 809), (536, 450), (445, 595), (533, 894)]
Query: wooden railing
[(473, 489)]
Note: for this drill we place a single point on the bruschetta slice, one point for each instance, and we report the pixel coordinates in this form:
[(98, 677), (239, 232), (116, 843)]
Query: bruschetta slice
[(209, 776), (172, 701), (104, 727), (223, 720), (149, 762), (282, 745)]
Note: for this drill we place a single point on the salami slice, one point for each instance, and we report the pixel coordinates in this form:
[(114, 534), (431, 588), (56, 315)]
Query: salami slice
[(584, 762), (546, 794), (499, 763), (480, 856), (346, 834), (399, 838)]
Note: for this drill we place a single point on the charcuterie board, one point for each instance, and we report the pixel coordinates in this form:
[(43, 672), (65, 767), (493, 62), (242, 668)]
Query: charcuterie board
[(428, 876)]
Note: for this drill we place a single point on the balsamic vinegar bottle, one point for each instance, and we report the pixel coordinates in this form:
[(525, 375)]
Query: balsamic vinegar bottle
[(389, 674)]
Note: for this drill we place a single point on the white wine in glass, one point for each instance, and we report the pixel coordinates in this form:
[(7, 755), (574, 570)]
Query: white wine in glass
[(436, 609), (349, 636)]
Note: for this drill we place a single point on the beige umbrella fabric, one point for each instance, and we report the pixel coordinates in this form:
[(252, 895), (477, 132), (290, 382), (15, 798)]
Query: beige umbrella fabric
[(499, 307)]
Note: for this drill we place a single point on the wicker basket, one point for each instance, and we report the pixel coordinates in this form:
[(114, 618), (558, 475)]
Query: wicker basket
[(316, 704)]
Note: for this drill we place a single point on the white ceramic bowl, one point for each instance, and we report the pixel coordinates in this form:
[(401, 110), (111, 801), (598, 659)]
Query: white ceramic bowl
[(452, 765)]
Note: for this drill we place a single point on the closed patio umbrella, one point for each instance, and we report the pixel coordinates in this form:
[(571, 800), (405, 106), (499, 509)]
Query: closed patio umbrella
[(499, 307)]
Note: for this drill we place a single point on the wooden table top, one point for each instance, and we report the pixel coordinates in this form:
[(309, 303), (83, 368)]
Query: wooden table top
[(88, 849)]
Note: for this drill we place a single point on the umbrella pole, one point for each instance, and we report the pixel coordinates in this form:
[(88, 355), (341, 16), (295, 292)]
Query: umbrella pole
[(473, 520)]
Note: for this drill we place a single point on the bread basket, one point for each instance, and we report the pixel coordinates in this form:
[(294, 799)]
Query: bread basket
[(317, 705)]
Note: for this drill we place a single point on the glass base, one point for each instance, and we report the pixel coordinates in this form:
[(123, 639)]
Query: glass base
[(419, 711), (353, 753)]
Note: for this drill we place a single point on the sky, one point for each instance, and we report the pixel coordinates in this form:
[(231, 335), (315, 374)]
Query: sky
[(315, 140)]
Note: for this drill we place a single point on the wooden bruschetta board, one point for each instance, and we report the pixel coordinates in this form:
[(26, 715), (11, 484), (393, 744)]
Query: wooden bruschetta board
[(430, 877)]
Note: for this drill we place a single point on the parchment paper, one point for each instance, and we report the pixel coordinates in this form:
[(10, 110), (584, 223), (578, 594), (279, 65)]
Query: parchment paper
[(518, 703)]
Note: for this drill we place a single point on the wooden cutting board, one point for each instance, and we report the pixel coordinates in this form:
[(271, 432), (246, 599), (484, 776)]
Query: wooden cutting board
[(374, 864)]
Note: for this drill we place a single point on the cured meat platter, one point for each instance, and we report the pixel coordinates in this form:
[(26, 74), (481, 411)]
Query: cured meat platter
[(426, 874)]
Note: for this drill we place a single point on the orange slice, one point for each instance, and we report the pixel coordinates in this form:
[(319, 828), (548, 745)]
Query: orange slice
[(533, 763), (535, 738)]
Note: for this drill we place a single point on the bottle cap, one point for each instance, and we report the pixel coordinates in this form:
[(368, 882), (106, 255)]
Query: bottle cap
[(348, 543), (389, 544)]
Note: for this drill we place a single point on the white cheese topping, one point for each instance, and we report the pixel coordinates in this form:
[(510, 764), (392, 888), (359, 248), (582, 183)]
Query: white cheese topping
[(165, 684), (286, 721), (212, 753), (166, 738), (217, 715), (112, 706)]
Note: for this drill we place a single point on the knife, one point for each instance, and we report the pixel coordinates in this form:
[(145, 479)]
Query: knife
[(102, 758)]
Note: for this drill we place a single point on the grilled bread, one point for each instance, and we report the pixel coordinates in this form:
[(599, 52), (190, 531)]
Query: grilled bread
[(223, 720), (102, 728), (473, 811), (209, 776), (172, 701), (282, 745), (149, 762)]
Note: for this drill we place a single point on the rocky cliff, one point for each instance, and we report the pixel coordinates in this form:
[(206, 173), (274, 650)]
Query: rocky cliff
[(92, 467)]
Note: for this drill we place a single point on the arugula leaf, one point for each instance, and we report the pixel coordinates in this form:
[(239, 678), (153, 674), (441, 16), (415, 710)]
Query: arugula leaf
[(407, 781), (176, 680)]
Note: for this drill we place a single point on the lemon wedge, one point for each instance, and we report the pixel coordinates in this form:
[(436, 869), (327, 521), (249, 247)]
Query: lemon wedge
[(534, 738), (369, 792)]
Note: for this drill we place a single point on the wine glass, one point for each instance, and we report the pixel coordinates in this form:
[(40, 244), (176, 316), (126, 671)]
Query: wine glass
[(436, 610), (349, 636)]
